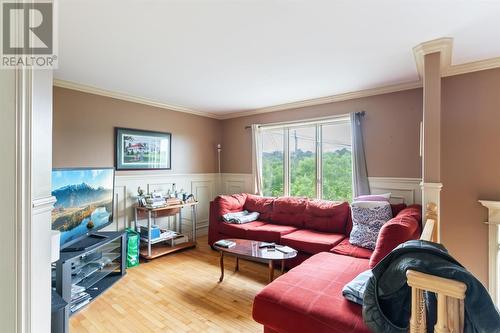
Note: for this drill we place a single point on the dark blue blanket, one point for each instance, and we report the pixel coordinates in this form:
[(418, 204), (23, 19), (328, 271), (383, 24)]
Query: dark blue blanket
[(386, 305)]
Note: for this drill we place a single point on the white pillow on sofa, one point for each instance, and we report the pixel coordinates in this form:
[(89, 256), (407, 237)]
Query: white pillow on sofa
[(374, 197), (367, 219)]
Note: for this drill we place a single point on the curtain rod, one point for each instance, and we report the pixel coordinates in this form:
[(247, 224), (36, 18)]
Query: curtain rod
[(362, 113)]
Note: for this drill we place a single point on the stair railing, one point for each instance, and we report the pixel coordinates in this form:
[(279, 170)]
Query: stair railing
[(450, 293)]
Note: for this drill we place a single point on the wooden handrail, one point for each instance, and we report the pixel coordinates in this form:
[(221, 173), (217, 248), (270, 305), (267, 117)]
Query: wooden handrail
[(436, 284), (428, 232), (450, 293)]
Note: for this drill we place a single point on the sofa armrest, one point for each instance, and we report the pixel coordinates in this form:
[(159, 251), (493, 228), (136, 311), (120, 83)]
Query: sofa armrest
[(221, 205), (396, 231), (213, 228)]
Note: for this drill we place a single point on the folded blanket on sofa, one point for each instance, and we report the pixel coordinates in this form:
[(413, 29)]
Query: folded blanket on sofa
[(354, 291), (240, 217)]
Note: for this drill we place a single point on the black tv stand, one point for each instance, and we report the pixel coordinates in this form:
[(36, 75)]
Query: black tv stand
[(92, 271), (86, 243)]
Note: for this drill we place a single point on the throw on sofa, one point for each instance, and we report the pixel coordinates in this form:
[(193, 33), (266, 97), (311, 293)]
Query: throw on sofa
[(309, 297)]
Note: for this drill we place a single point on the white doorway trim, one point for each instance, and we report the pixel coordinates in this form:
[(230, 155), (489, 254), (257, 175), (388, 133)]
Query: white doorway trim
[(26, 152), (493, 248)]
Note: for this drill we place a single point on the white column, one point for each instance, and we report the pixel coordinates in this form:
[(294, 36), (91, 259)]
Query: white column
[(431, 57), (431, 193), (431, 157), (493, 248)]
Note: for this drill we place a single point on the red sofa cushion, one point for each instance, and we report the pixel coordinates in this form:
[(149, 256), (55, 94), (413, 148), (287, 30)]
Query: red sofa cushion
[(347, 249), (398, 230), (311, 241), (269, 232), (327, 216), (309, 297), (414, 211), (263, 205), (229, 203), (289, 211), (238, 230)]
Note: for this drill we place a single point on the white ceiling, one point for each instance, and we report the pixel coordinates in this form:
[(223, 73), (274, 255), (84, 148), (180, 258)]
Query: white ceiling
[(224, 56)]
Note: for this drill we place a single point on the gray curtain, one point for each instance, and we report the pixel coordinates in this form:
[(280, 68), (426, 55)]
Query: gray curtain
[(360, 185)]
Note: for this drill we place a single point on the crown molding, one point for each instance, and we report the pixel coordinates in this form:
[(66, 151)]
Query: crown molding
[(490, 204), (443, 45), (474, 66), (129, 98), (327, 99)]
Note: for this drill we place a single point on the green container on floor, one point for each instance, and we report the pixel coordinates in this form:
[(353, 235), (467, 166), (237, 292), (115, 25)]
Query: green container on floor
[(133, 239)]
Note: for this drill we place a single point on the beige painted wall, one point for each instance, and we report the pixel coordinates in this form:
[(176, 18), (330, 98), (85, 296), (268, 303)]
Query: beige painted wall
[(470, 165), (391, 132), (84, 131)]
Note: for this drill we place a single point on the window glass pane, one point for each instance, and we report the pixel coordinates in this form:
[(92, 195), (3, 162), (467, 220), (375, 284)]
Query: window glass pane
[(302, 144), (336, 161), (272, 162)]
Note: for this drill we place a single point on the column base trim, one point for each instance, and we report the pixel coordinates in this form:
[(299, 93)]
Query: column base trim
[(431, 186)]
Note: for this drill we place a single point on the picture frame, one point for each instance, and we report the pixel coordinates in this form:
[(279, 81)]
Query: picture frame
[(137, 149)]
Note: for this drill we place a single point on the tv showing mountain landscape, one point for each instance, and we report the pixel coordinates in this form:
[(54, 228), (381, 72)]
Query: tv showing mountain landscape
[(84, 201)]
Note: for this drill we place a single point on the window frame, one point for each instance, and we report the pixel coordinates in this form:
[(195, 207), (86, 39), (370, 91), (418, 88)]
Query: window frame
[(318, 124)]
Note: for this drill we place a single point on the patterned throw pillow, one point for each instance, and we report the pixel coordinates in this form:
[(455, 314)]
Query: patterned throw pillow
[(367, 219)]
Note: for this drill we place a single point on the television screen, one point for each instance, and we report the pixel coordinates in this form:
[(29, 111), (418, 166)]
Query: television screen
[(84, 201)]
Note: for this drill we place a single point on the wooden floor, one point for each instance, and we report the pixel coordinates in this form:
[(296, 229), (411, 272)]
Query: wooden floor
[(178, 293)]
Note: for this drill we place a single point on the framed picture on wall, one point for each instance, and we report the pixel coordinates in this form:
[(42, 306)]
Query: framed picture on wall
[(142, 150)]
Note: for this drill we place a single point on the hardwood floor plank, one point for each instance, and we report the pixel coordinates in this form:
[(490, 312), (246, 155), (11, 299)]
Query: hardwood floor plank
[(178, 293)]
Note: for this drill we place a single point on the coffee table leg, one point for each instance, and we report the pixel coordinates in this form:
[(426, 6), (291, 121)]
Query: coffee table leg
[(271, 271), (282, 266), (237, 268), (221, 266)]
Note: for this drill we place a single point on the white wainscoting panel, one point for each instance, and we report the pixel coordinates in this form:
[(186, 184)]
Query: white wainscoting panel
[(237, 183), (206, 187), (203, 189), (127, 182), (121, 219), (404, 190)]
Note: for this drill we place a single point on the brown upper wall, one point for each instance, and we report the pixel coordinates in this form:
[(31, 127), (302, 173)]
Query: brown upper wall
[(391, 132), (83, 134), (470, 164)]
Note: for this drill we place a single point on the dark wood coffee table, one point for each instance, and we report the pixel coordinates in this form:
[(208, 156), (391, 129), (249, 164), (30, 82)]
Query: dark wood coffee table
[(250, 250)]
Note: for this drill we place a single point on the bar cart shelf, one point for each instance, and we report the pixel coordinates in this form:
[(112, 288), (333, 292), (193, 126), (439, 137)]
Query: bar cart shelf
[(154, 248)]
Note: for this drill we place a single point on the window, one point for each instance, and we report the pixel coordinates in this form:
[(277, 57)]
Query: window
[(336, 161), (310, 159), (272, 162), (302, 146)]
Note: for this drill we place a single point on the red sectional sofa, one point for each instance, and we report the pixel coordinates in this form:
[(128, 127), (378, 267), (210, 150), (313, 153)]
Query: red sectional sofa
[(308, 298)]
